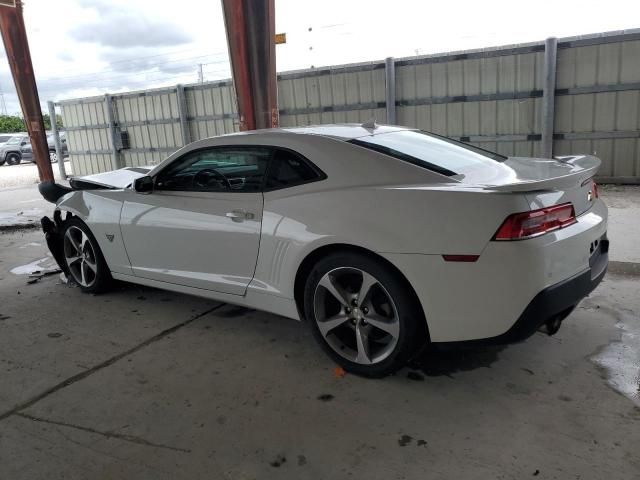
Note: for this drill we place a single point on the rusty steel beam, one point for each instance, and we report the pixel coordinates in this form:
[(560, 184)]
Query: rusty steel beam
[(16, 45), (250, 26)]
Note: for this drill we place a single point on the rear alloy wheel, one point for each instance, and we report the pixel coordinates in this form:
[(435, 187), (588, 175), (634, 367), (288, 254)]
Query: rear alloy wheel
[(53, 156), (363, 314), (84, 258), (13, 159)]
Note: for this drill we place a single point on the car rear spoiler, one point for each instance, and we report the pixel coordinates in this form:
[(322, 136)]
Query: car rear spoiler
[(584, 167)]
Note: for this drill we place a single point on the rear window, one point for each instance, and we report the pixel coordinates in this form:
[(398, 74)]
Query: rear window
[(4, 138), (439, 154), (288, 169)]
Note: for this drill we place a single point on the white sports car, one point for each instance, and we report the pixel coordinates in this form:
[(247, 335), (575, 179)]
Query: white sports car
[(382, 238)]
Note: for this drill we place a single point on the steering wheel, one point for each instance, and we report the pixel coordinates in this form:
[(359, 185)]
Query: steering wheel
[(202, 178)]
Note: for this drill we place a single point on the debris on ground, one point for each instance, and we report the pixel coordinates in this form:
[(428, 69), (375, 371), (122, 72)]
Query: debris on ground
[(279, 460), (325, 397), (339, 372), (38, 275)]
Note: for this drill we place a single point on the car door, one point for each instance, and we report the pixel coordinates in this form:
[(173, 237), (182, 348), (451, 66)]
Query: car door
[(26, 150), (200, 225)]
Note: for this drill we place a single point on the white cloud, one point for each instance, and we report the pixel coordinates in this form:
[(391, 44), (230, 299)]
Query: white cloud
[(89, 47)]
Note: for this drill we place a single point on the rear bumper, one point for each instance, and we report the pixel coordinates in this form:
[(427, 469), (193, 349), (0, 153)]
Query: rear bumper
[(556, 301)]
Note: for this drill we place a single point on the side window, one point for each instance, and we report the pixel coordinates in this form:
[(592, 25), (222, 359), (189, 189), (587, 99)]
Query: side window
[(235, 169), (288, 169)]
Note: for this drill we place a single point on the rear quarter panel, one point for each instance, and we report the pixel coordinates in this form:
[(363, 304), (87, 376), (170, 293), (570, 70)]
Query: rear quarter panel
[(382, 219)]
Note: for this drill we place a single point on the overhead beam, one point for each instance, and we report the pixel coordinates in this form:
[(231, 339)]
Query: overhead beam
[(16, 45)]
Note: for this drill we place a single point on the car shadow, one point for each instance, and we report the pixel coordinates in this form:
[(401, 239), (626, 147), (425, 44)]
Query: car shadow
[(435, 361), (439, 361)]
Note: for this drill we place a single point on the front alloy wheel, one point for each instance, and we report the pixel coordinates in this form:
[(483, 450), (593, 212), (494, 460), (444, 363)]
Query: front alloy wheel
[(83, 258), (363, 313), (80, 256), (53, 156)]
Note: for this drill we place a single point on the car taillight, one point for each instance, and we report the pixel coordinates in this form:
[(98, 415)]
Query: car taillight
[(595, 190), (536, 222)]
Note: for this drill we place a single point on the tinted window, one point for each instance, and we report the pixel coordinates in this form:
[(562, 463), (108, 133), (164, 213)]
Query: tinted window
[(4, 138), (15, 140), (288, 169), (217, 169), (436, 153)]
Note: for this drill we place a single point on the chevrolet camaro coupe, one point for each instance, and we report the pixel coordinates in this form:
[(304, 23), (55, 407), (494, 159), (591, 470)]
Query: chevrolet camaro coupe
[(382, 239)]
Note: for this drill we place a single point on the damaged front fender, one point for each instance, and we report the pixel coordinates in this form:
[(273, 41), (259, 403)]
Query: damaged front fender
[(53, 233)]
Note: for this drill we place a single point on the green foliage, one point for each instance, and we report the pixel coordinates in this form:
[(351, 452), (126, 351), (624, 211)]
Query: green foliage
[(47, 121), (14, 124), (11, 124)]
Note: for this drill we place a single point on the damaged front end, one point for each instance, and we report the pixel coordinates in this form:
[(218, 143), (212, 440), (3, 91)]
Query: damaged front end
[(53, 192), (53, 232)]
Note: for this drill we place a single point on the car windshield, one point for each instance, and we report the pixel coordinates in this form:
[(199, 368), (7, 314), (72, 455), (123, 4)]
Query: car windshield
[(440, 154)]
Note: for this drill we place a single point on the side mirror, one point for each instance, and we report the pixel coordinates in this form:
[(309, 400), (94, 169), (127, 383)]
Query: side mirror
[(143, 184), (23, 144)]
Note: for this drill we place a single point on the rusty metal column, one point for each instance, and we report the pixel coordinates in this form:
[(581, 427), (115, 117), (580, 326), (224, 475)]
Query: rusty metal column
[(16, 45), (250, 26)]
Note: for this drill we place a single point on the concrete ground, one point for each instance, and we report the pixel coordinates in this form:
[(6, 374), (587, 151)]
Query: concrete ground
[(140, 383), (20, 202)]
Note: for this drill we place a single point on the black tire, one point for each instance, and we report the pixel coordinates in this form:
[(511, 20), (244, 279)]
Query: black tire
[(413, 332), (2, 162), (103, 280), (13, 158)]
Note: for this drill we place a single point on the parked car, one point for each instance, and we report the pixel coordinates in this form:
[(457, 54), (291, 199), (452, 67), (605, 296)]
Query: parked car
[(11, 151), (27, 150), (4, 137), (384, 239)]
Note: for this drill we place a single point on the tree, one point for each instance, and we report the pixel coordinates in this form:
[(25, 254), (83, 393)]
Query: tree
[(11, 124), (15, 124), (47, 121)]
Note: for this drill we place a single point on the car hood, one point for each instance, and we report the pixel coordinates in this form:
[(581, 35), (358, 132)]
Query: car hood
[(116, 179)]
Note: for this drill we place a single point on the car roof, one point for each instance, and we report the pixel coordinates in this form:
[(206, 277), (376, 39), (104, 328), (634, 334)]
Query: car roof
[(340, 131)]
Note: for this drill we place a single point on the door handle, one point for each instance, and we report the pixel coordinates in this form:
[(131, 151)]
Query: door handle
[(239, 215)]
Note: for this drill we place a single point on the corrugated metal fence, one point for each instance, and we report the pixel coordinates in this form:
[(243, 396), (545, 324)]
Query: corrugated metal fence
[(490, 97)]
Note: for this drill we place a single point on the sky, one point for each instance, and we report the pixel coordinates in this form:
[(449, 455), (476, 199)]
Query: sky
[(90, 47)]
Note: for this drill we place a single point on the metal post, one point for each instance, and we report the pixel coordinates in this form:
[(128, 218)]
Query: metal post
[(261, 55), (390, 89), (548, 96), (108, 105), (16, 46), (250, 26), (200, 74), (56, 139), (182, 113)]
